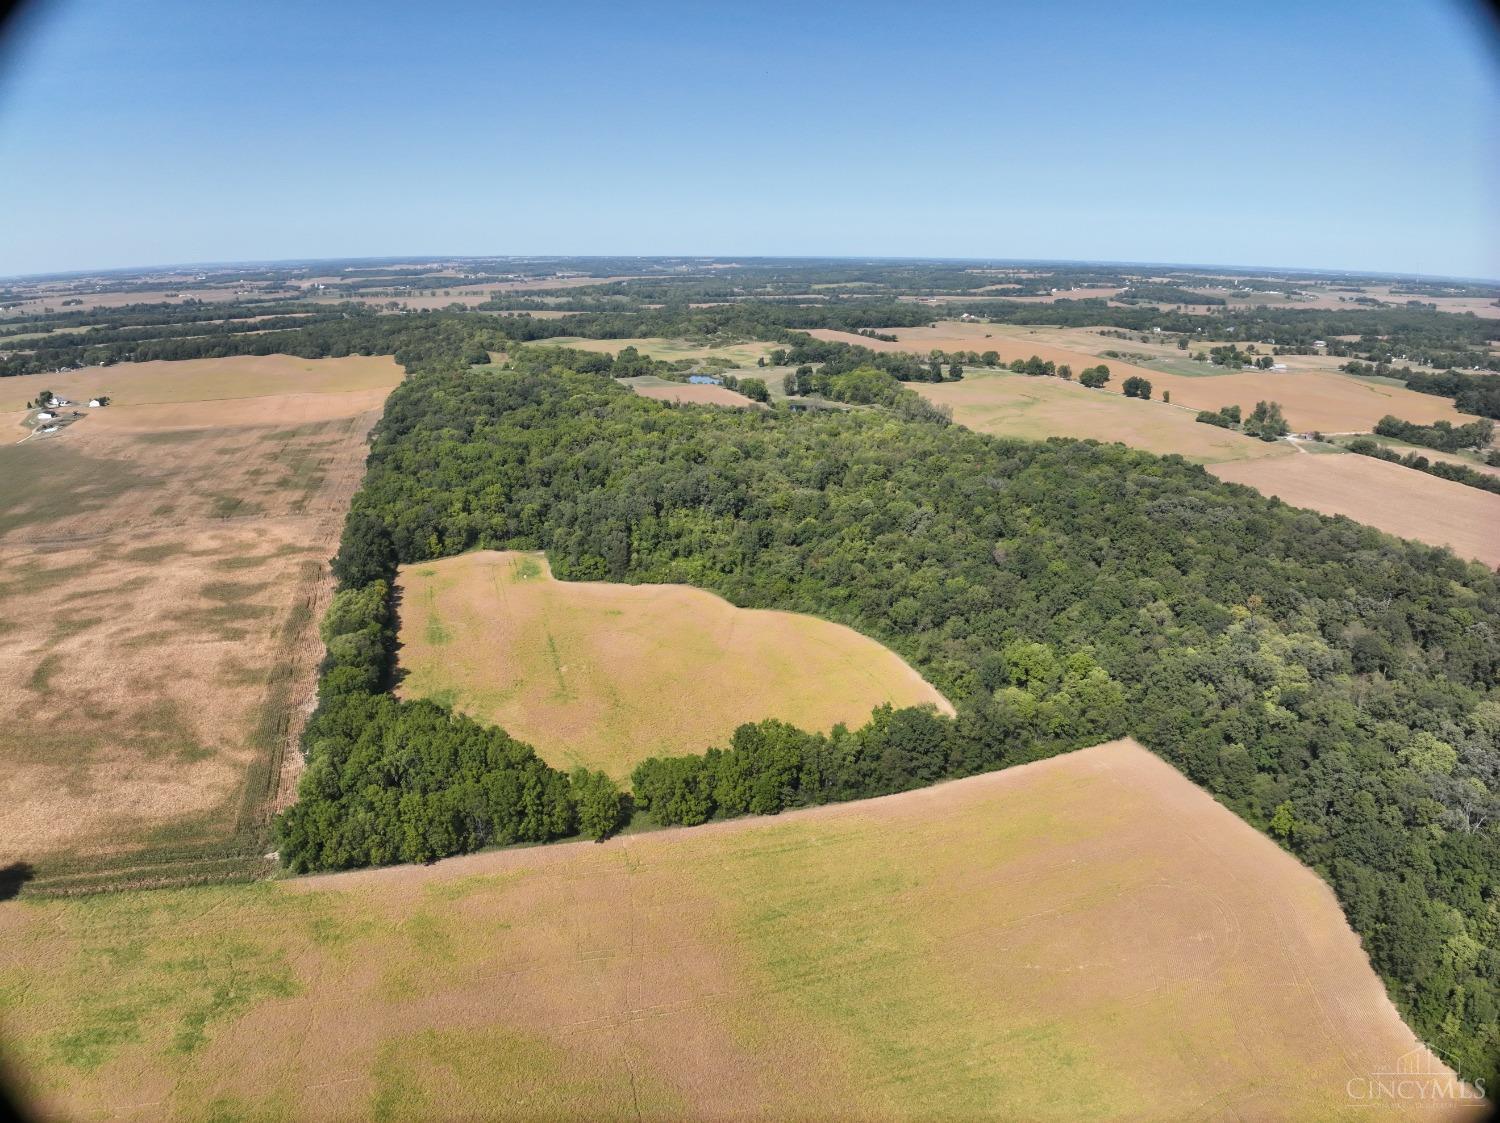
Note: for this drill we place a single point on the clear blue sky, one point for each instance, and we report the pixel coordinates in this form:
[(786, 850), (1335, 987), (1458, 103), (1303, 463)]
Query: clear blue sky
[(1341, 133)]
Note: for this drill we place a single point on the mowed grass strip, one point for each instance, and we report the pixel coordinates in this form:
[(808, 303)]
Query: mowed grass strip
[(1088, 937), (605, 675)]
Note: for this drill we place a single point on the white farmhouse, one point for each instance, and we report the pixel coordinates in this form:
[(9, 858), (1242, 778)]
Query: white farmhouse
[(45, 415)]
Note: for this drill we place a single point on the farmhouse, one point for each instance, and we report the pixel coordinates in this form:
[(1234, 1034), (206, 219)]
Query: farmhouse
[(45, 415)]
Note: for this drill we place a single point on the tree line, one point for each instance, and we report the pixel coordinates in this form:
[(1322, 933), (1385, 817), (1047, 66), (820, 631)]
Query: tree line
[(1458, 473)]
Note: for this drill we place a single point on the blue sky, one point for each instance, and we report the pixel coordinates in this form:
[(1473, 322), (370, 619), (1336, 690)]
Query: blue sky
[(1339, 134)]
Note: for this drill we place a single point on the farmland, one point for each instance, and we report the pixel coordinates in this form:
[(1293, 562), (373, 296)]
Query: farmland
[(1313, 394), (1395, 499), (1016, 405), (604, 675), (1037, 943), (1086, 935), (164, 565), (649, 386), (741, 354)]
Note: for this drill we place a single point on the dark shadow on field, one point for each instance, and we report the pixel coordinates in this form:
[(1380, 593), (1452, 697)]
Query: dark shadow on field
[(12, 877), (395, 672)]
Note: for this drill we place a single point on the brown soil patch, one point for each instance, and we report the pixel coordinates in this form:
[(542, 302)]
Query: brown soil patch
[(1398, 500), (1086, 937)]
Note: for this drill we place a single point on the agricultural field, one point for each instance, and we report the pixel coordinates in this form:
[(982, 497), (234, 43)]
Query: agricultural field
[(1016, 405), (208, 380), (649, 386), (741, 354), (605, 675), (164, 565), (1090, 936), (1313, 394), (1394, 499)]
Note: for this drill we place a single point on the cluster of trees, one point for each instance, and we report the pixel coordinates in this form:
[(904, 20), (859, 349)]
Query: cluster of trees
[(1441, 435), (1040, 705), (836, 357), (865, 386), (1225, 417), (1041, 368), (413, 339), (1458, 473), (1136, 387), (1230, 356), (1094, 377), (104, 345), (1265, 420)]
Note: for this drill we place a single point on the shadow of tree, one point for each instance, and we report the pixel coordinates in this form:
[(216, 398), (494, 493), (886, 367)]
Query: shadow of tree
[(12, 877)]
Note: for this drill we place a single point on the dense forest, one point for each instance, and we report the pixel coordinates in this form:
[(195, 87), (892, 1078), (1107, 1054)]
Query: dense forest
[(1333, 685)]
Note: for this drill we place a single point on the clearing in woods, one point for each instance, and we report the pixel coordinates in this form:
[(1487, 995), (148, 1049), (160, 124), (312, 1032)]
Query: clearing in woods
[(164, 566), (1089, 936), (605, 675), (1397, 500), (649, 386)]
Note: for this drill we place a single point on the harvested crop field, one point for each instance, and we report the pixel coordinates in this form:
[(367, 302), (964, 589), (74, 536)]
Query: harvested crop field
[(207, 380), (1017, 405), (164, 567), (662, 390), (1400, 501), (1086, 937), (741, 354), (1321, 399), (605, 675)]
